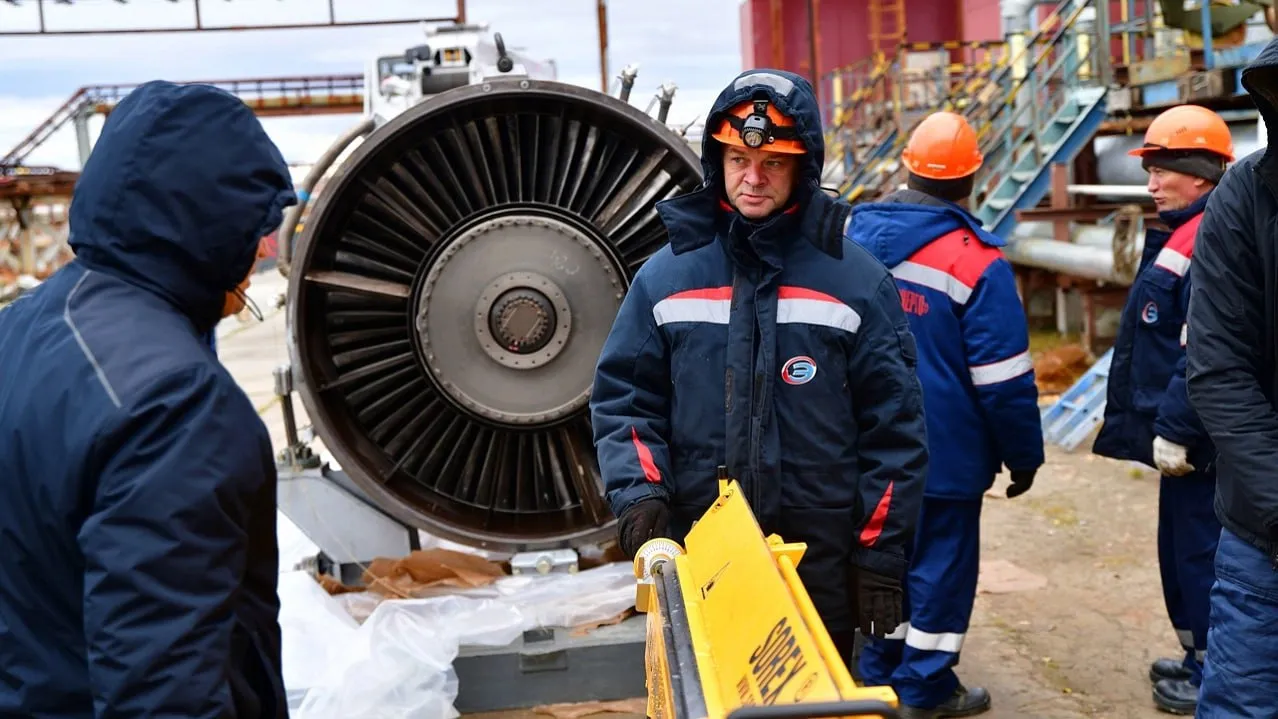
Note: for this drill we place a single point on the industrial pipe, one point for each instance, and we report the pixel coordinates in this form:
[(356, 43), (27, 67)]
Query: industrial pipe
[(1139, 191), (293, 214), (1078, 260), (1101, 252)]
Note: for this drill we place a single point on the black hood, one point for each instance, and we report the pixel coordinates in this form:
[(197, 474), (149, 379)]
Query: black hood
[(1260, 80), (181, 185)]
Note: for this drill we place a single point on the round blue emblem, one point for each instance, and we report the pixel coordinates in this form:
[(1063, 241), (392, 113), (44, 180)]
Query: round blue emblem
[(1149, 315), (798, 370)]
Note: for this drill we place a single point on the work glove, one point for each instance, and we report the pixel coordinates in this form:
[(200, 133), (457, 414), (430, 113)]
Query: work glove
[(644, 520), (1022, 480), (1171, 458), (877, 600)]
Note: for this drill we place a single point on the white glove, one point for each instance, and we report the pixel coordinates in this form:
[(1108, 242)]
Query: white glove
[(1171, 458)]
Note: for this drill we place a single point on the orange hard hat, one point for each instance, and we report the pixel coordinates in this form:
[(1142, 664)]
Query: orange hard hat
[(943, 147), (1188, 127), (777, 133)]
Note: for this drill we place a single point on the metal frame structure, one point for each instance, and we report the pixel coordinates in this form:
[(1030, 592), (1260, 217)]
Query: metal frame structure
[(199, 26), (268, 96)]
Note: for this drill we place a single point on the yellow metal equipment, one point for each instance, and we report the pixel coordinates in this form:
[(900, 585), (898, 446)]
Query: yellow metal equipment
[(732, 633)]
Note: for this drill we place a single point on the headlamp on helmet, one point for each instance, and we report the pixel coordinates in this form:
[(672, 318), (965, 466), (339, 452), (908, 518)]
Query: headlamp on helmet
[(757, 128), (757, 125)]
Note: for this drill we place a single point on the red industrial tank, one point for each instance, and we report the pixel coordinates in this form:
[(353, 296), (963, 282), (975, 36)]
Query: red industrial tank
[(776, 33)]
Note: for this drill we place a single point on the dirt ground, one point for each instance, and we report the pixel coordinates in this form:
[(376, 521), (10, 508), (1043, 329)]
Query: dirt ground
[(1081, 646), (1078, 647)]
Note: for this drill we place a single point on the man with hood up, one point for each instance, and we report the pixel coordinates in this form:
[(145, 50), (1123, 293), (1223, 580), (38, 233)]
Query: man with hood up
[(1233, 386), (1148, 417), (138, 577), (761, 340), (981, 403)]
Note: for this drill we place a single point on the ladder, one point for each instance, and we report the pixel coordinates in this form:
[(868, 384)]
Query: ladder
[(887, 27), (1072, 419)]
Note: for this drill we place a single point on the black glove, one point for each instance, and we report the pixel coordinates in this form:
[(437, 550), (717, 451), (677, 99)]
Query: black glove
[(1022, 480), (877, 600), (644, 520)]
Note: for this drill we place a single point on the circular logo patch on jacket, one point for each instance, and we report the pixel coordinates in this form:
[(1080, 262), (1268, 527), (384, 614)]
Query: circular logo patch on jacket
[(798, 370), (1149, 315)]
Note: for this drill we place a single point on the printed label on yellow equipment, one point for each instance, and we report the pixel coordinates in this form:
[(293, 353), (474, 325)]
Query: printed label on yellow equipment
[(761, 650)]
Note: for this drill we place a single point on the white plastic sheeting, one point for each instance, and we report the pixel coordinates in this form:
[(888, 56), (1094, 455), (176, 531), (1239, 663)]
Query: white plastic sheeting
[(398, 663)]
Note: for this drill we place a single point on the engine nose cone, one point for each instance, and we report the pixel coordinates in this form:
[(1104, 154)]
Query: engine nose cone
[(522, 321)]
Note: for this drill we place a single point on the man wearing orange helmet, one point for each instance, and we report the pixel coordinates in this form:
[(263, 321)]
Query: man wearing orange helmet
[(980, 399), (1233, 384), (760, 340), (1148, 418)]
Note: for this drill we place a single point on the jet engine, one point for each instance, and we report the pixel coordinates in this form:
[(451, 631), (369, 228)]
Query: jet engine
[(451, 291)]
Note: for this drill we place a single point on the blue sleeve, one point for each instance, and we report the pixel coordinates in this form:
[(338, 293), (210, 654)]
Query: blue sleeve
[(164, 549), (891, 434), (1177, 421), (630, 405), (996, 338)]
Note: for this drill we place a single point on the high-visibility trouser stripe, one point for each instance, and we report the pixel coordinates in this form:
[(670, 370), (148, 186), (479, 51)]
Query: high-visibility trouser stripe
[(1003, 370), (950, 642), (1184, 334), (1186, 638)]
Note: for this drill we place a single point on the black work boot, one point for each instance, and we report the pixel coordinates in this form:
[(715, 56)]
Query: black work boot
[(1176, 696), (965, 703), (1168, 669)]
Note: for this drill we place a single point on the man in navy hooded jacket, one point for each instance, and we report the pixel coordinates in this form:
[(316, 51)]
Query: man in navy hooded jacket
[(761, 340), (1148, 417), (980, 397), (139, 564)]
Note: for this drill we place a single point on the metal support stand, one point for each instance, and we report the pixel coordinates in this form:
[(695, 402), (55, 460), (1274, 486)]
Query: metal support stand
[(347, 526), (295, 452)]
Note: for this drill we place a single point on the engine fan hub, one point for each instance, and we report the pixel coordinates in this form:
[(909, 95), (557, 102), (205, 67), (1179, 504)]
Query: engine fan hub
[(529, 357), (522, 321)]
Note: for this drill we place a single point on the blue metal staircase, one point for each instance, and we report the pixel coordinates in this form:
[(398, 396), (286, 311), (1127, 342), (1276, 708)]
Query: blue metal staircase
[(1020, 180), (1047, 116)]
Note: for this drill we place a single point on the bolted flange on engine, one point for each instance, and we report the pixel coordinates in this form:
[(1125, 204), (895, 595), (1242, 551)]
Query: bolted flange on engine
[(451, 292)]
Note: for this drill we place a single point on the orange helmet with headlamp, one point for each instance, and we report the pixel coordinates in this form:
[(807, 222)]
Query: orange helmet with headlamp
[(758, 125)]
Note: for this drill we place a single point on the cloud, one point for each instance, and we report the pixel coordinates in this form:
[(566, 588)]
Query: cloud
[(695, 44)]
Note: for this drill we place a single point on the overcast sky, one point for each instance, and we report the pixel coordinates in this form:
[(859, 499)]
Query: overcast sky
[(695, 43)]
